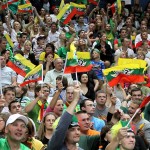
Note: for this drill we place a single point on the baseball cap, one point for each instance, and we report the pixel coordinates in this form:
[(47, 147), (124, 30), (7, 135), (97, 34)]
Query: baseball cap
[(14, 117), (74, 122)]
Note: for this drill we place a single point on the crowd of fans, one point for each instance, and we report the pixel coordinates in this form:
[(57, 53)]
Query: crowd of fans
[(69, 111)]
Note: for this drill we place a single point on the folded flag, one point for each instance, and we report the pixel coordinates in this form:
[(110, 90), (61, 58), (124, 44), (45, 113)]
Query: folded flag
[(77, 62), (25, 6), (33, 76), (130, 73), (116, 7), (20, 65), (80, 8), (6, 3), (67, 13)]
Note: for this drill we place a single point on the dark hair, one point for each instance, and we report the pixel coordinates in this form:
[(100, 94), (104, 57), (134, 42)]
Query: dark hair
[(9, 88), (64, 80), (82, 104), (12, 102), (80, 112), (2, 39), (54, 23), (19, 52), (22, 34), (135, 89), (39, 87), (50, 45), (104, 131), (3, 52)]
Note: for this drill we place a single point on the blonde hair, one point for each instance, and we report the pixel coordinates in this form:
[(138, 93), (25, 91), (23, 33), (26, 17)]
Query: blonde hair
[(25, 43)]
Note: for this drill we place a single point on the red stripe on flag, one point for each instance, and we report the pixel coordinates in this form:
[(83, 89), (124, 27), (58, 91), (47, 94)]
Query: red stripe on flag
[(83, 68), (80, 13), (145, 101), (24, 11), (93, 2), (113, 9), (121, 78), (70, 69), (29, 81), (16, 69), (73, 69), (70, 16)]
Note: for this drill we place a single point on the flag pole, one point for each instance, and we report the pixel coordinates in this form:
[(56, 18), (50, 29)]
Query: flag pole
[(1, 92), (42, 73), (133, 117), (77, 77)]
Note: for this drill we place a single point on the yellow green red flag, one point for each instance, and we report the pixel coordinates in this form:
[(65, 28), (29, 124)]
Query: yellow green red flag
[(129, 73), (33, 76), (77, 62), (20, 65)]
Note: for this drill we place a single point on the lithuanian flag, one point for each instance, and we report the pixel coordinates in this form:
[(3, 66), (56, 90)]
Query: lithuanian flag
[(68, 11), (116, 7), (77, 62), (6, 3), (80, 8), (33, 76), (130, 73), (25, 6), (20, 65)]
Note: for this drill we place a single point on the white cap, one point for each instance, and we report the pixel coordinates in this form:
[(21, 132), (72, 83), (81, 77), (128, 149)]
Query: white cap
[(14, 117)]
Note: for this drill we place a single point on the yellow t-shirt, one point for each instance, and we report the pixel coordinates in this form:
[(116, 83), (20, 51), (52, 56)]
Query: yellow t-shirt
[(42, 56)]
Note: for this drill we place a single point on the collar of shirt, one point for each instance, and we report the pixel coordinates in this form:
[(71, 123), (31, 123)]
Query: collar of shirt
[(58, 70)]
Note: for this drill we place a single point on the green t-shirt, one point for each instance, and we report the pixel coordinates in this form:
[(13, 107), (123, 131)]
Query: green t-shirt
[(5, 146), (33, 114), (89, 142)]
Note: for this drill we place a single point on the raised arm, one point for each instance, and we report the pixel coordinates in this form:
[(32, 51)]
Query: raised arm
[(58, 137)]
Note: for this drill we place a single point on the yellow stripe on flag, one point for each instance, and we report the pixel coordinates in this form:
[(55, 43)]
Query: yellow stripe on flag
[(83, 55), (77, 5), (121, 67), (34, 71), (9, 40), (24, 6), (70, 55), (61, 4), (123, 61), (63, 11), (24, 61), (119, 6)]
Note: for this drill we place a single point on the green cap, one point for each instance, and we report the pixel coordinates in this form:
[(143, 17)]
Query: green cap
[(74, 122)]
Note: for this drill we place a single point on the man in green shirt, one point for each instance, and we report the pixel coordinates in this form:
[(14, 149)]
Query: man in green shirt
[(15, 131)]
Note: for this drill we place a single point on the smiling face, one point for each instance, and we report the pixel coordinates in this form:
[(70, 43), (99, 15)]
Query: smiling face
[(16, 131), (84, 122)]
